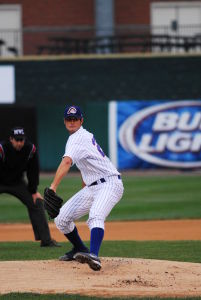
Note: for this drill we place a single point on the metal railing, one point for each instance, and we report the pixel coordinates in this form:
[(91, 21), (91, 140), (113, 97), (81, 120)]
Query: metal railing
[(121, 44), (83, 39)]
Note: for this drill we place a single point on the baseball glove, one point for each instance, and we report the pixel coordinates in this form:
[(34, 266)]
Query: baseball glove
[(52, 203)]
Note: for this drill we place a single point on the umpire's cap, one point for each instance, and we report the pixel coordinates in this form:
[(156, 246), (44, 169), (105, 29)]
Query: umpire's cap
[(18, 133), (73, 111)]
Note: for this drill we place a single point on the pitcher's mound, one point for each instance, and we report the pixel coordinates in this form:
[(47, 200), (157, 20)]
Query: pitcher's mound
[(118, 277)]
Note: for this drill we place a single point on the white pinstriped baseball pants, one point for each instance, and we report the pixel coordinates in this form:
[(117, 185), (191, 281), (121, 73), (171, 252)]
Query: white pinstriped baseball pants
[(97, 200)]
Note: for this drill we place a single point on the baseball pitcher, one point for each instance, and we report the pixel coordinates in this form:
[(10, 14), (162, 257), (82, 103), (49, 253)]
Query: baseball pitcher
[(102, 189)]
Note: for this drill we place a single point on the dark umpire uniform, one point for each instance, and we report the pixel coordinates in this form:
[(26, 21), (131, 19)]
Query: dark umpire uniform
[(17, 157)]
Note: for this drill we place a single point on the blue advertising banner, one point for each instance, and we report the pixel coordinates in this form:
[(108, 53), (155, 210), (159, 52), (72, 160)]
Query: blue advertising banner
[(152, 134)]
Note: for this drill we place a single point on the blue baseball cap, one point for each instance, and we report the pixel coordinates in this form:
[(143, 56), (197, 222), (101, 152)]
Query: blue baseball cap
[(73, 111)]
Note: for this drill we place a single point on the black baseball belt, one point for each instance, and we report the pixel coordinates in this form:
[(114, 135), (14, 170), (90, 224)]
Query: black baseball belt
[(102, 180)]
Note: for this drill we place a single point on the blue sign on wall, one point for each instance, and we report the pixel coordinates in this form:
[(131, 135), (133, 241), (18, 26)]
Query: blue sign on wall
[(155, 134)]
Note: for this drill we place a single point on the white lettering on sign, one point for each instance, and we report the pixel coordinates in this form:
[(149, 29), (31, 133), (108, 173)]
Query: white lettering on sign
[(171, 121), (178, 142), (165, 122), (175, 129)]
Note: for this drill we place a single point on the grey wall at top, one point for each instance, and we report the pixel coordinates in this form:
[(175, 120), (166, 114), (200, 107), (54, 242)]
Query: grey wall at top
[(104, 14)]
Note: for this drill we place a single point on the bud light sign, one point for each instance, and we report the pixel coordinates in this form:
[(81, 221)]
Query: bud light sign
[(158, 134)]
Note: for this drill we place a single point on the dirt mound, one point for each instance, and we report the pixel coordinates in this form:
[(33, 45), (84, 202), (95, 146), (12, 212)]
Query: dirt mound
[(118, 277)]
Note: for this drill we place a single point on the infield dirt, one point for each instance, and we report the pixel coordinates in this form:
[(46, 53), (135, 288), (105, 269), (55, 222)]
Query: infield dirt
[(136, 230), (118, 276)]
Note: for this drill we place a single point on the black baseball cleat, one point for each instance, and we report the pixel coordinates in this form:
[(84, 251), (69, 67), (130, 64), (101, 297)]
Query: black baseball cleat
[(88, 258), (50, 243), (70, 255)]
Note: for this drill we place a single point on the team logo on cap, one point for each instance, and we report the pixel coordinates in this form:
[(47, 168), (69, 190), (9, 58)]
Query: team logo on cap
[(72, 110), (18, 131)]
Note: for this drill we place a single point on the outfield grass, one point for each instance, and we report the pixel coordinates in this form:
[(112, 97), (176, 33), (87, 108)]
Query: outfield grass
[(188, 251), (145, 198)]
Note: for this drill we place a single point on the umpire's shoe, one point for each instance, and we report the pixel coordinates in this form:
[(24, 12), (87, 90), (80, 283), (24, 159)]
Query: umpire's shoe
[(89, 258), (70, 255), (50, 243)]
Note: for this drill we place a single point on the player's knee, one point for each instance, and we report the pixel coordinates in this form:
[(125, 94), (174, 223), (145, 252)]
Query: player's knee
[(58, 222), (63, 224)]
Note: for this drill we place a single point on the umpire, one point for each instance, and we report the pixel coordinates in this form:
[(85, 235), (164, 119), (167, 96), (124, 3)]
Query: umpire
[(17, 157)]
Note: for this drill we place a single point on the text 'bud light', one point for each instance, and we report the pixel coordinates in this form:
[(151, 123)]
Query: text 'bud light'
[(167, 134)]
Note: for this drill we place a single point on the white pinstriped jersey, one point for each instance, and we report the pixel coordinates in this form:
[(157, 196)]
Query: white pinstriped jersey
[(89, 158)]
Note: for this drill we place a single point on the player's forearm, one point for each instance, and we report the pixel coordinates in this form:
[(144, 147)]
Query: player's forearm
[(60, 173)]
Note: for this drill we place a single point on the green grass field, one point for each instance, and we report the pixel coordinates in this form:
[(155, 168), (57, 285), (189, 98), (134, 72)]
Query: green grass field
[(188, 251), (145, 198)]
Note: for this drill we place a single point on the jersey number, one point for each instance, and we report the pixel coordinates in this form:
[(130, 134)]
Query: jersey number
[(98, 147)]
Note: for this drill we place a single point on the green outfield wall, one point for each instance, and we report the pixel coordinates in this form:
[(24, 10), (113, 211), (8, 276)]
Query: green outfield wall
[(52, 134), (49, 83)]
